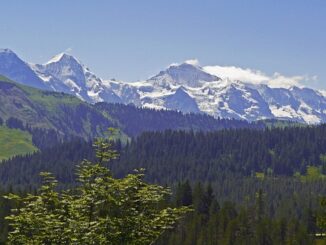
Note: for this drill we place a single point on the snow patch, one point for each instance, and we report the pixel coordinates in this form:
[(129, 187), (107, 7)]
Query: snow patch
[(240, 93), (55, 58)]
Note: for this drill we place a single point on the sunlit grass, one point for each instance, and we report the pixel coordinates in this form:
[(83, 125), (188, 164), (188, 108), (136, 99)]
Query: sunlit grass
[(15, 142)]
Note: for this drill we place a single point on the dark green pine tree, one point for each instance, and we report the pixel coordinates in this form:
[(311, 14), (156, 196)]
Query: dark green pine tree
[(183, 194)]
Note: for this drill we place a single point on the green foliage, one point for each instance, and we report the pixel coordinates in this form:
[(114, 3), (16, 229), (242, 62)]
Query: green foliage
[(203, 155), (100, 210), (61, 112), (231, 225), (323, 162), (69, 115), (323, 158), (103, 148), (285, 211), (44, 98), (260, 175), (50, 100), (276, 123), (321, 220), (135, 121), (313, 173), (218, 158), (15, 142)]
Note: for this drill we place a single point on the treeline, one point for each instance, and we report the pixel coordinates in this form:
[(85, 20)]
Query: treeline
[(22, 172), (213, 222), (134, 121), (42, 138), (203, 156), (245, 185), (80, 121), (171, 156), (237, 163), (285, 196)]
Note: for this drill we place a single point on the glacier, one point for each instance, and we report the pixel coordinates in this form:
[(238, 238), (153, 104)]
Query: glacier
[(185, 87)]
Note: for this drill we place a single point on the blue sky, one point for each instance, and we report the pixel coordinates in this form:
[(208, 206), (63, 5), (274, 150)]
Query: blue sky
[(132, 40)]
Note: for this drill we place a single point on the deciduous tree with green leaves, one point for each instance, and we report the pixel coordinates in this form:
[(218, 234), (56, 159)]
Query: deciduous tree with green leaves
[(100, 210)]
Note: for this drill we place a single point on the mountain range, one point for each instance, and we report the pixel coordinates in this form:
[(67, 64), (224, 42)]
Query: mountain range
[(185, 87), (32, 110), (38, 109)]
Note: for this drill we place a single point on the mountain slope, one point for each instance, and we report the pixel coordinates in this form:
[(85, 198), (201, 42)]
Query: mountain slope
[(50, 110), (181, 101), (230, 99), (14, 68), (67, 74), (69, 115), (185, 87), (15, 142), (42, 119), (134, 121)]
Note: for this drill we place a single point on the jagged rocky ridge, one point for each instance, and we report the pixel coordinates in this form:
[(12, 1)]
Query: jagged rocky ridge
[(185, 87)]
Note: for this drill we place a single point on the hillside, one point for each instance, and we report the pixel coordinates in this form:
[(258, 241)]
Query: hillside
[(170, 156), (134, 120), (53, 117), (224, 159), (15, 142), (63, 113), (69, 115)]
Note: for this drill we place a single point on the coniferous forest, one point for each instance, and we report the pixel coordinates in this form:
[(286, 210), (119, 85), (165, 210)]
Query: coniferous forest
[(163, 122), (270, 197)]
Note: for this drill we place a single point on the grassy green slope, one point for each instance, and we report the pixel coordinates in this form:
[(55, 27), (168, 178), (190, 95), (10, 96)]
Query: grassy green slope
[(15, 142), (50, 100), (66, 114), (45, 109)]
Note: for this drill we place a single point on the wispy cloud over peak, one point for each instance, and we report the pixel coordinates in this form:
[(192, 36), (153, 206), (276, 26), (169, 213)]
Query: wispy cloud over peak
[(194, 62), (257, 77)]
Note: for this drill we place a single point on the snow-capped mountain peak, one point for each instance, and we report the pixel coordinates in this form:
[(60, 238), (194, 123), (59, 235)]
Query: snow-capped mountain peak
[(6, 51), (55, 58), (15, 68), (63, 58), (185, 87), (78, 79), (186, 74)]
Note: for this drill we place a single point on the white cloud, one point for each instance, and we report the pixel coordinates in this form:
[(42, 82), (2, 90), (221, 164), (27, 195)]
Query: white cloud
[(279, 80), (233, 73), (68, 50), (257, 77), (194, 62), (236, 73)]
